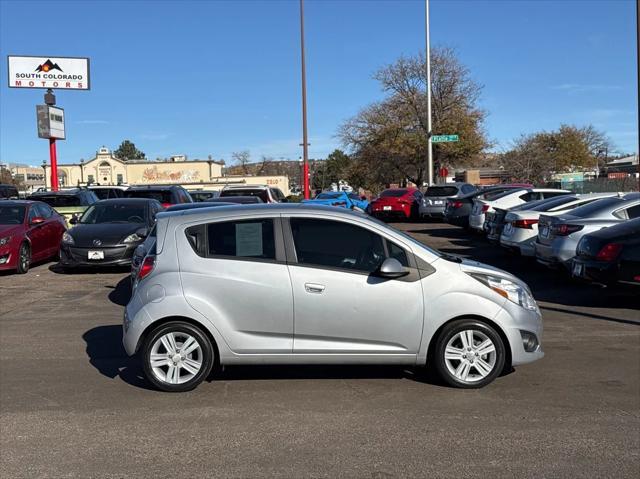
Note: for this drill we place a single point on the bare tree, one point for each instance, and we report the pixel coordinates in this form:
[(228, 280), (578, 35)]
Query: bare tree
[(242, 158)]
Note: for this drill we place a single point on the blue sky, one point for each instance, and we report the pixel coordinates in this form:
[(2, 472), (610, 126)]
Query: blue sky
[(205, 77)]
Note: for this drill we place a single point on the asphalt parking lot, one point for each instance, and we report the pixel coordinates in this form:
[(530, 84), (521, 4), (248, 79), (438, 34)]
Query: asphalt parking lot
[(73, 405)]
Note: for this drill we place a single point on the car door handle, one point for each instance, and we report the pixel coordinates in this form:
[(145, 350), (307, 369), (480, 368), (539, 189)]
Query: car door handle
[(314, 288)]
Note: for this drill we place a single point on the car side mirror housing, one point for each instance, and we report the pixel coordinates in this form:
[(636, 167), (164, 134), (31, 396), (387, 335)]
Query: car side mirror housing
[(142, 232), (391, 268), (37, 220), (73, 220)]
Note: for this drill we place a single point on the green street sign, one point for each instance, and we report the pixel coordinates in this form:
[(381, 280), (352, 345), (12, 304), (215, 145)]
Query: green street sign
[(444, 138)]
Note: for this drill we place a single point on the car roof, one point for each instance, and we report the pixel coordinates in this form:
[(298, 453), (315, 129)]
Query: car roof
[(69, 192), (240, 187), (19, 202), (262, 208)]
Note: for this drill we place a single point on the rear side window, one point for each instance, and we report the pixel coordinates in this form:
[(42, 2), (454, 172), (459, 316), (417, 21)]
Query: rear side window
[(239, 239), (43, 210), (634, 212)]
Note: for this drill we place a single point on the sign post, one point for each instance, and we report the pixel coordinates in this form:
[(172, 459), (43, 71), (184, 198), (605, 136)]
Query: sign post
[(66, 73)]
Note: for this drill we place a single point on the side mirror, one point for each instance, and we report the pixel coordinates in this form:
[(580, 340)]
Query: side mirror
[(37, 220), (391, 268), (73, 220), (142, 232)]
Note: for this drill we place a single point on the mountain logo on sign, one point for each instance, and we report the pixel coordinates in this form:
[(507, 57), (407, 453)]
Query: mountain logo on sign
[(47, 66)]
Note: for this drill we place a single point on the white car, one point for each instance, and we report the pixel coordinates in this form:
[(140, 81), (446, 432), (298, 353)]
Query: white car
[(521, 227), (507, 200)]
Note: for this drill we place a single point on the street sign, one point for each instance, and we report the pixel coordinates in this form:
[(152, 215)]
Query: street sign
[(444, 138), (50, 122), (61, 73)]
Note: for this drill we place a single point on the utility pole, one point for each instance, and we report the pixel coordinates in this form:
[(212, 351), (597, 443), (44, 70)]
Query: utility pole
[(429, 132), (305, 143)]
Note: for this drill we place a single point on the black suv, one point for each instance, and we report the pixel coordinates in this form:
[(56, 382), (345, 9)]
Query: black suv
[(9, 192), (167, 195)]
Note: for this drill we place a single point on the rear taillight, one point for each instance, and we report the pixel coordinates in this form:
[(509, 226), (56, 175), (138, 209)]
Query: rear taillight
[(456, 204), (166, 205), (147, 267), (485, 208), (609, 252), (565, 230), (527, 224)]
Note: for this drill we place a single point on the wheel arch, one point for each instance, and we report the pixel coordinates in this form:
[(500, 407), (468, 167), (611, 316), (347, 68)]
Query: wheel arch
[(168, 319), (473, 317)]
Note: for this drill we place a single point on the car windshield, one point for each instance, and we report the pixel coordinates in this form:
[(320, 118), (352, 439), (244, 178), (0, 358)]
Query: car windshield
[(114, 213), (501, 194), (163, 196), (59, 201), (393, 193), (592, 208), (328, 196), (262, 194), (441, 191), (12, 215)]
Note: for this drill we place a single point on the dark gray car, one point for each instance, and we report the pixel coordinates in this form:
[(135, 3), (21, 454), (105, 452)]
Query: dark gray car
[(435, 198)]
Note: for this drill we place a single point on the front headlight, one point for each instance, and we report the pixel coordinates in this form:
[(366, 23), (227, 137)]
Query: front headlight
[(134, 238), (514, 292), (67, 238), (5, 240)]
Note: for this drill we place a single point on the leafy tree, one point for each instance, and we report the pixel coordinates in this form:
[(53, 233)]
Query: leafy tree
[(128, 151), (537, 156), (390, 136), (335, 168)]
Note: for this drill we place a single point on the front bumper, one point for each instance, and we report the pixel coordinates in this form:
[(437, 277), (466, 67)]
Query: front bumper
[(71, 256), (516, 320)]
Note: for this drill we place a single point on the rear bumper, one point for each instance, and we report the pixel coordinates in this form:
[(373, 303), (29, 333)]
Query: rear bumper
[(595, 271), (395, 213), (457, 220), (432, 211), (477, 222)]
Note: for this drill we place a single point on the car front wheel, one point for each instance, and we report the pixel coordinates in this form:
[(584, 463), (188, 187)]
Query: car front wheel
[(469, 354), (24, 258), (177, 356)]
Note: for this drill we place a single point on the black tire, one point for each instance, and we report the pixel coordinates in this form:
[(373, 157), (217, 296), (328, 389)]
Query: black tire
[(452, 330), (24, 258), (177, 327)]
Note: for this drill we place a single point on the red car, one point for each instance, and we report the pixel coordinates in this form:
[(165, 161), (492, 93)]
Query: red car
[(30, 231), (402, 203)]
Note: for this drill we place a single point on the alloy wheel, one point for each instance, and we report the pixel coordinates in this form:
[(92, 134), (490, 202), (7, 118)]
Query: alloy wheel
[(176, 357), (470, 355)]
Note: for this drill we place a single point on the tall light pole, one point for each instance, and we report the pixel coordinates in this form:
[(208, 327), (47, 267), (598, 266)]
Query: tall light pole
[(427, 54), (305, 143)]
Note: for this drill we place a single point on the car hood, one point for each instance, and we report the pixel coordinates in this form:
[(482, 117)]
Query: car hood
[(10, 230), (470, 266), (110, 234)]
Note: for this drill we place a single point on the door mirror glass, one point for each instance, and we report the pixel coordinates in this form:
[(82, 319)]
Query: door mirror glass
[(37, 220), (142, 232), (391, 268)]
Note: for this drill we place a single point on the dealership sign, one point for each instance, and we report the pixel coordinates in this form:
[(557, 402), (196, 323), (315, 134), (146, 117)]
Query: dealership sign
[(62, 73)]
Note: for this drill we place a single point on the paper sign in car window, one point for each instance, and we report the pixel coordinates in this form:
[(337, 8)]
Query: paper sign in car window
[(249, 239)]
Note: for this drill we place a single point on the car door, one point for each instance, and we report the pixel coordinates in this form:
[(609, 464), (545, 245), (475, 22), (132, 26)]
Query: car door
[(234, 273), (340, 306), (52, 228), (37, 234)]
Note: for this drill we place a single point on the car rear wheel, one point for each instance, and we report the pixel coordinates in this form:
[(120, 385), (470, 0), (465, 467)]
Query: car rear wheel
[(469, 354), (24, 258), (177, 356)]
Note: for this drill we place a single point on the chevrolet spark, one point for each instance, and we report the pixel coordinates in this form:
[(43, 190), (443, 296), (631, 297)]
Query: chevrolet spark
[(301, 284)]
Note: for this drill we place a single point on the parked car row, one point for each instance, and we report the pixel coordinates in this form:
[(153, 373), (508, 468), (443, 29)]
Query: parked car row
[(80, 230), (592, 236)]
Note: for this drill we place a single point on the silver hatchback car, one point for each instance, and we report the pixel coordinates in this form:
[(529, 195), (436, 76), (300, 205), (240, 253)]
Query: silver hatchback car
[(298, 284)]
